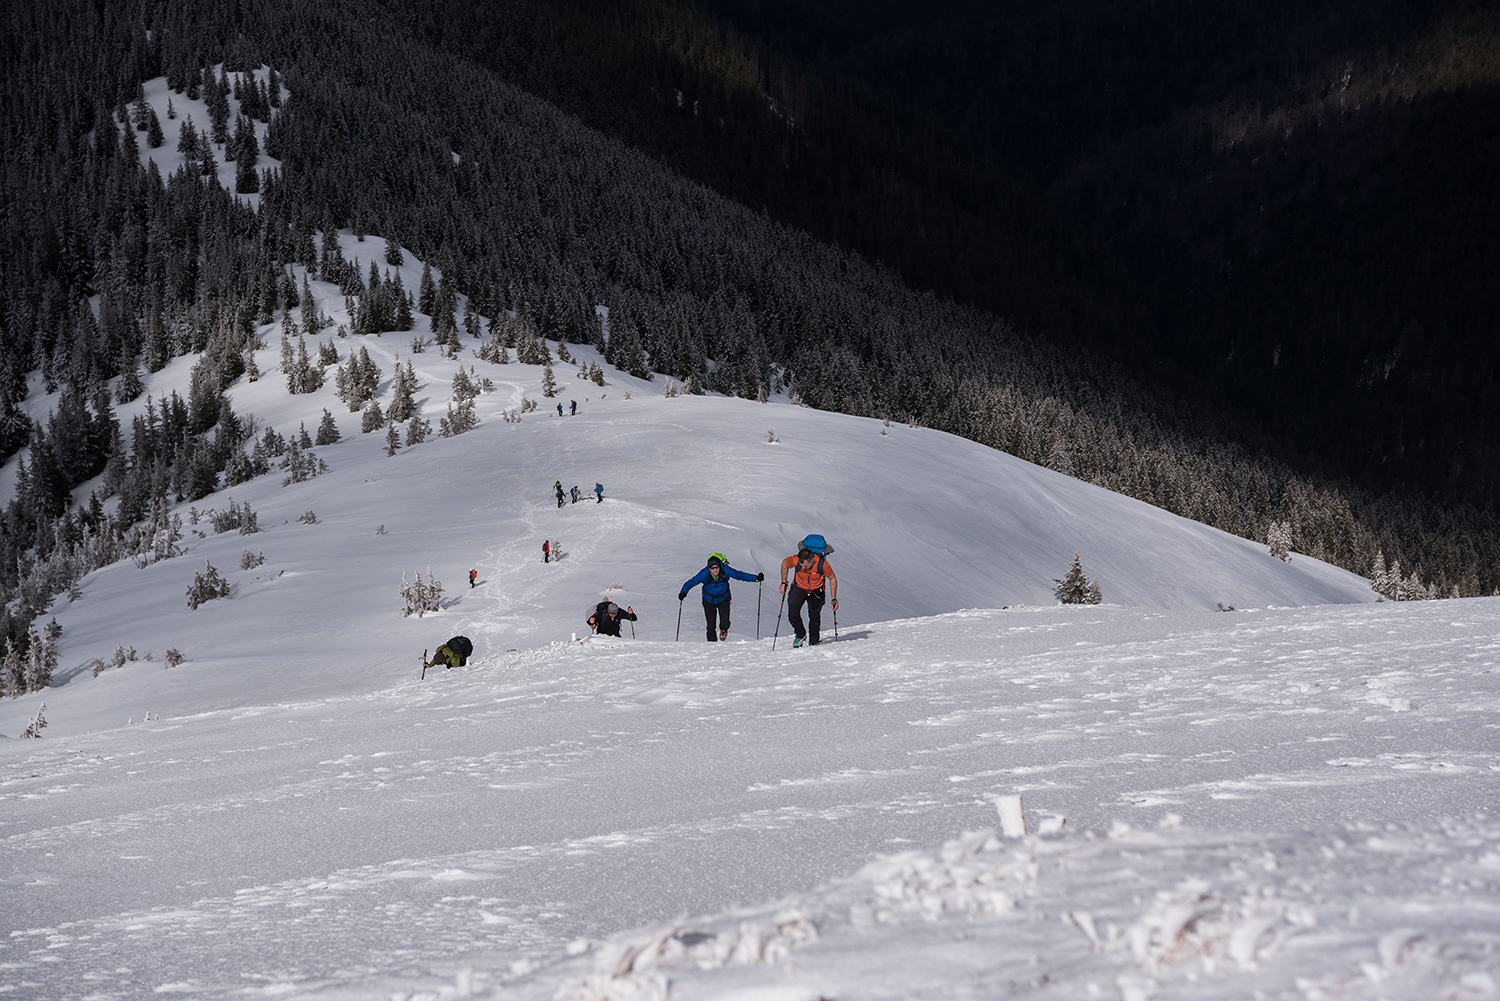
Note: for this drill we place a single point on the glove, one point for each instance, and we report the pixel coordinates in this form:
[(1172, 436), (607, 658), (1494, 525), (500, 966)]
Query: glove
[(835, 604), (682, 596), (760, 577)]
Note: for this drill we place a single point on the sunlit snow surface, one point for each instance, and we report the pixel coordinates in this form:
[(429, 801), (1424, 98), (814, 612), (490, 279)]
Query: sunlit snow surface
[(1296, 798)]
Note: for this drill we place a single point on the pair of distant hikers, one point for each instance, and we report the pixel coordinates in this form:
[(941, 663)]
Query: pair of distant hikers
[(811, 579)]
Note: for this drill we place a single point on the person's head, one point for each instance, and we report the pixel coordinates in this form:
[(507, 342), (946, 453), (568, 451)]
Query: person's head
[(612, 610), (806, 557), (714, 566)]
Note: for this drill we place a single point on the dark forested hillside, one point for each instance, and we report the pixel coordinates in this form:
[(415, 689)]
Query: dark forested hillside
[(1300, 193), (376, 122)]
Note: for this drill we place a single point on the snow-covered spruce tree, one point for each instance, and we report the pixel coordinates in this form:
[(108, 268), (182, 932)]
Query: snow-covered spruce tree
[(419, 597), (1075, 588), (41, 661), (207, 587), (1279, 540), (549, 382), (1380, 576), (12, 672), (38, 722), (373, 418), (417, 431), (403, 394), (328, 430), (392, 438), (464, 386), (458, 420)]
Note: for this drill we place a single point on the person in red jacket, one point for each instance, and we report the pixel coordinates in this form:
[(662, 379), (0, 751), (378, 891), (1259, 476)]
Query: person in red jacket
[(811, 577)]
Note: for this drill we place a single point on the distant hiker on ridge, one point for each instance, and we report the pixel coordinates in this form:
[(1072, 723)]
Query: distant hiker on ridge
[(559, 410), (808, 583), (715, 580), (599, 491), (558, 487), (546, 551), (606, 618), (473, 575), (575, 494), (572, 408)]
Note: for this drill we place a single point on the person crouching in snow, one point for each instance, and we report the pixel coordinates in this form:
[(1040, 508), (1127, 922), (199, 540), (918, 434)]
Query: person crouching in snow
[(606, 618), (715, 580)]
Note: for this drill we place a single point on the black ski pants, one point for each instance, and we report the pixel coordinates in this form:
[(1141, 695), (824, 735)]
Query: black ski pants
[(814, 602), (719, 612)]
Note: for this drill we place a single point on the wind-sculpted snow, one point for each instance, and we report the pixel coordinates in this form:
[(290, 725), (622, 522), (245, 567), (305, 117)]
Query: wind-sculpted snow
[(292, 811), (1297, 802)]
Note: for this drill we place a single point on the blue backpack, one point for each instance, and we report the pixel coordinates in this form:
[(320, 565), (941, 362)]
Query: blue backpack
[(817, 544)]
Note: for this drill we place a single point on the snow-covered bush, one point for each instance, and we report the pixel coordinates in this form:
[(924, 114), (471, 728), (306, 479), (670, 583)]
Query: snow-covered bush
[(249, 560), (417, 431), (34, 728), (232, 517), (207, 587), (419, 598), (173, 657)]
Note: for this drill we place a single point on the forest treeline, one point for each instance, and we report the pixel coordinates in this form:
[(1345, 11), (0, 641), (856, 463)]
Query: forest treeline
[(108, 268), (1299, 196)]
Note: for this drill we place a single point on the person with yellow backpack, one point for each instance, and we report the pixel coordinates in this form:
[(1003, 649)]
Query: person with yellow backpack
[(715, 580), (811, 576)]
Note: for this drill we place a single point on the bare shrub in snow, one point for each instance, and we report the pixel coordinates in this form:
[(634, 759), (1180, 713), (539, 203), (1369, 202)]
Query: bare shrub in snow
[(173, 657)]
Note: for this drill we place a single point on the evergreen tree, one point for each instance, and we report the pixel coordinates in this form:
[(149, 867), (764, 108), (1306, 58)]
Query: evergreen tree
[(426, 291), (392, 438), (1075, 588), (328, 429), (373, 419)]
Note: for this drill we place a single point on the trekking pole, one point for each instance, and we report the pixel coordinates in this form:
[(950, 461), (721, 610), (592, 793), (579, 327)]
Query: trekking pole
[(424, 665), (679, 620), (632, 630), (835, 619), (758, 589), (778, 620)]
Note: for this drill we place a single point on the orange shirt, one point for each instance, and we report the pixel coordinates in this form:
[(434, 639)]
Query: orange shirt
[(810, 578)]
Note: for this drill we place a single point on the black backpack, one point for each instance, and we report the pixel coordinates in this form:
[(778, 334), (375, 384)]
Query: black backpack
[(461, 646)]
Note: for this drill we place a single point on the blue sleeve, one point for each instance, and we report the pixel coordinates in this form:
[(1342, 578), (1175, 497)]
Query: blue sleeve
[(740, 574), (694, 581)]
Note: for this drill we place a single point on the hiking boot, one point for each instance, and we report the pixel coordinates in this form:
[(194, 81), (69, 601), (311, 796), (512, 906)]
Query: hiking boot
[(797, 642), (723, 634)]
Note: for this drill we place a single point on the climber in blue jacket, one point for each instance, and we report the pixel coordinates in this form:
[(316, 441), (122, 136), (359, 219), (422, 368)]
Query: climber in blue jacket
[(715, 580)]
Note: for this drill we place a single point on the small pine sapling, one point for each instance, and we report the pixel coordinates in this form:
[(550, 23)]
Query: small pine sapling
[(173, 657), (208, 586), (38, 722), (308, 518), (1075, 588), (392, 438)]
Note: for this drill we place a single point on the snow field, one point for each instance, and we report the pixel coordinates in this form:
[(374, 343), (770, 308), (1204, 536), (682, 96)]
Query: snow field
[(1291, 800)]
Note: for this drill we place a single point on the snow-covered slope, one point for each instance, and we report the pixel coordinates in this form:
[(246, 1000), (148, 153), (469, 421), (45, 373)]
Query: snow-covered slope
[(1290, 803), (292, 812), (922, 522)]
